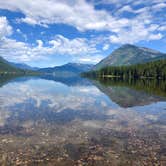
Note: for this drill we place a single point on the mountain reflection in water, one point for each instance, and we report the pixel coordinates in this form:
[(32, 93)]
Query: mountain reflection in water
[(129, 93), (70, 121)]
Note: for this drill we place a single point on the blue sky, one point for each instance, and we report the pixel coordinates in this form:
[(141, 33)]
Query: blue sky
[(53, 32)]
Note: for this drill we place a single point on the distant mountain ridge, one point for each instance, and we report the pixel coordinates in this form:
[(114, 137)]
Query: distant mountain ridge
[(125, 55), (130, 54), (23, 66), (69, 68)]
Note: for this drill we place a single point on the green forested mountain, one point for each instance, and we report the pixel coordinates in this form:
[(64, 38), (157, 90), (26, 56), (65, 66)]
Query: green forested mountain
[(8, 68), (5, 66), (129, 54), (154, 69)]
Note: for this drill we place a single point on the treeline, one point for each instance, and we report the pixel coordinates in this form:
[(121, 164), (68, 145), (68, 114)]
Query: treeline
[(155, 69), (18, 73)]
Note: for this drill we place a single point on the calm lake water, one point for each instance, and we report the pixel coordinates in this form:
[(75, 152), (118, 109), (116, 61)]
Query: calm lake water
[(76, 121)]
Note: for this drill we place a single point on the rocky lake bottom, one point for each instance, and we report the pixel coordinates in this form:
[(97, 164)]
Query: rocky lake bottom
[(76, 121)]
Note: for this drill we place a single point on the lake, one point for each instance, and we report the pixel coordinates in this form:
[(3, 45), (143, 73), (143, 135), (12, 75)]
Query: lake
[(64, 121)]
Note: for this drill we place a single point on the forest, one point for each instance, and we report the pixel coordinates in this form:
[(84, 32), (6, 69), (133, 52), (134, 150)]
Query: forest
[(154, 69)]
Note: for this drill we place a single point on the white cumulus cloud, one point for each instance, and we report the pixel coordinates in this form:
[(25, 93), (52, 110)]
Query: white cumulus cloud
[(144, 25), (5, 28), (77, 13), (79, 49)]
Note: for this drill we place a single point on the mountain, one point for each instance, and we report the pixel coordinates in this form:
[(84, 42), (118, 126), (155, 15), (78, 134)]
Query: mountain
[(130, 54), (67, 69), (23, 66), (5, 66)]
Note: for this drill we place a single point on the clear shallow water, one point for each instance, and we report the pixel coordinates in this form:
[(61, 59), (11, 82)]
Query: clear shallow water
[(72, 121)]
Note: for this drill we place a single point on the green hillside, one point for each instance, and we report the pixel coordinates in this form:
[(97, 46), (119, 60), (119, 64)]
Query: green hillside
[(6, 67)]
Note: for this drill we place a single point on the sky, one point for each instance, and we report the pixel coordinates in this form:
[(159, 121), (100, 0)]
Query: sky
[(46, 33)]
